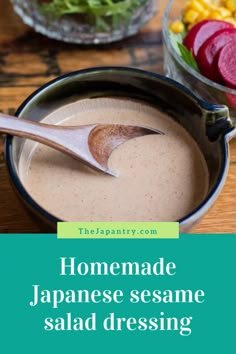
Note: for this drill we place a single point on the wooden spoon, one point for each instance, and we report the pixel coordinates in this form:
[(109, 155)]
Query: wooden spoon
[(91, 144)]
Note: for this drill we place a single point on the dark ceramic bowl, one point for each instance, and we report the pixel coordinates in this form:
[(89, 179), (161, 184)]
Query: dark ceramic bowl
[(209, 125)]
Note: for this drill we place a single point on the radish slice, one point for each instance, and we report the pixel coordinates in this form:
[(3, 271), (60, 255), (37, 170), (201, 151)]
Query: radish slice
[(227, 63), (199, 33), (207, 57)]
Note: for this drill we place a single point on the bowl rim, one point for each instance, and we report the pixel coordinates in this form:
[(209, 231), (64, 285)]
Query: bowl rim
[(188, 68), (191, 217)]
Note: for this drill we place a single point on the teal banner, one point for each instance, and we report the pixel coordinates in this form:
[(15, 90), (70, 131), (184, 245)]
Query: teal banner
[(117, 296)]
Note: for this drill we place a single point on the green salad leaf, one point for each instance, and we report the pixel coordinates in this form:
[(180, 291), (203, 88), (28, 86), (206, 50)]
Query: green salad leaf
[(181, 50), (115, 11)]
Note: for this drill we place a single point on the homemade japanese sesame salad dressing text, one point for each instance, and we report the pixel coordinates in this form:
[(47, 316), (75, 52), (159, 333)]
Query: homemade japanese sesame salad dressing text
[(160, 177)]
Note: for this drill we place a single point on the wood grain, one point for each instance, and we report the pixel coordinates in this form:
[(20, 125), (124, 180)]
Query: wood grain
[(28, 60)]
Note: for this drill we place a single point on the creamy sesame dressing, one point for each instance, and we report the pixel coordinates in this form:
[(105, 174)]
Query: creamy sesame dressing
[(160, 177)]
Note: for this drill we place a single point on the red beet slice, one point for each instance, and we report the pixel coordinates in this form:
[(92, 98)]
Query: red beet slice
[(227, 63), (231, 99), (207, 57), (199, 33)]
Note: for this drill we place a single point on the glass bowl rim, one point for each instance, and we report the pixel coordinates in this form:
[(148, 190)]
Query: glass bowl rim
[(181, 61)]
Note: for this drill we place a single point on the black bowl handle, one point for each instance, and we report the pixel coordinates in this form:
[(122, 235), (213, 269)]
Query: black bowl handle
[(218, 122)]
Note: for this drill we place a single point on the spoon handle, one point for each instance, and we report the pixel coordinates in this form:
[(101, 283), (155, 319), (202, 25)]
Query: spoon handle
[(69, 140), (24, 128), (59, 137)]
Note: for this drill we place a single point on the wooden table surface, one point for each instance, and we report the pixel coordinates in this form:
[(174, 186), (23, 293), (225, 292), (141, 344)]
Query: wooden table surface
[(28, 60)]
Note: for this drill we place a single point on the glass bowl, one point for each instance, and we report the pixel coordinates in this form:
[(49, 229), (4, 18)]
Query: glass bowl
[(78, 29), (177, 69)]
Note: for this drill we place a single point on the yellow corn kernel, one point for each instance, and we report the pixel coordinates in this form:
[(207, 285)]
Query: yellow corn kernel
[(215, 15), (223, 11), (187, 5), (195, 11), (204, 3), (204, 15), (230, 20), (231, 5), (212, 6), (177, 26), (196, 5), (190, 16)]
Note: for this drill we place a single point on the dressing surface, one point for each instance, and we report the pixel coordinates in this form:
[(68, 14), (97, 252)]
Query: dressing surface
[(160, 177)]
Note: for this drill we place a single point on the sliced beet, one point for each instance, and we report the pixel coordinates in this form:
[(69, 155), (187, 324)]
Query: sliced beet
[(199, 33), (207, 57), (231, 99), (227, 63)]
